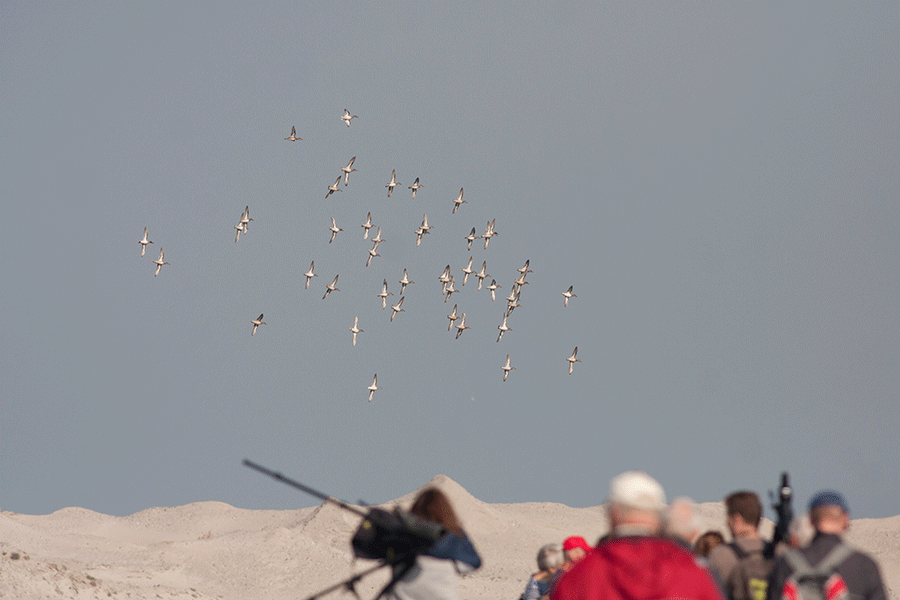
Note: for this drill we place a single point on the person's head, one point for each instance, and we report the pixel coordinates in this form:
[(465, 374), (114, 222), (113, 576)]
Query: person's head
[(743, 512), (707, 541), (635, 499), (550, 557), (829, 512), (575, 548), (432, 505), (681, 521)]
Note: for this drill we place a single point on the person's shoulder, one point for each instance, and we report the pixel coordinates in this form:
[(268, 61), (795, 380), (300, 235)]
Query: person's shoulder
[(722, 552), (749, 544), (863, 558), (663, 548)]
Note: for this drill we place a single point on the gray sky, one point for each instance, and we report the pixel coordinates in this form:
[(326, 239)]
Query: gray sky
[(720, 185)]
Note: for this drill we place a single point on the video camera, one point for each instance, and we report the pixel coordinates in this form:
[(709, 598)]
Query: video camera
[(394, 536)]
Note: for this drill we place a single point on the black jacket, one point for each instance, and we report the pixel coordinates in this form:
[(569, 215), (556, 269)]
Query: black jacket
[(859, 571)]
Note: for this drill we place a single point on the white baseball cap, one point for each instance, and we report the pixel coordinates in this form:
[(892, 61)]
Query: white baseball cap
[(638, 490)]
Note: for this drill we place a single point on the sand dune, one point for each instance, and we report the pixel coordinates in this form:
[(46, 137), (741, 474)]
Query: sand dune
[(213, 550)]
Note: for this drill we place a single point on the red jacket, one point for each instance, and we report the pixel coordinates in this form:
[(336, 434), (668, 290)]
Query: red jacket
[(637, 568)]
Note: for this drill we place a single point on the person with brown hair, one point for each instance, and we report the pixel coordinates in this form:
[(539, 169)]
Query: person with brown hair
[(433, 574), (744, 564), (707, 541)]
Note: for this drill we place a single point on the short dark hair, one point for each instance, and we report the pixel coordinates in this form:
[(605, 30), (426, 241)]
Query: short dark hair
[(746, 504)]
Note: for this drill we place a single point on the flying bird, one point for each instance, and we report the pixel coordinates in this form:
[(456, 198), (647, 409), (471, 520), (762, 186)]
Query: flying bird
[(159, 262), (293, 137), (396, 308), (452, 316), (245, 219), (347, 117), (256, 323), (462, 326), (568, 294), (423, 229), (373, 387), (405, 282), (489, 233), (347, 170), (458, 201), (444, 278), (390, 185), (384, 294), (471, 238), (334, 187), (240, 229), (525, 270), (449, 289), (507, 368), (415, 188), (468, 270), (331, 287), (355, 329), (493, 287), (502, 327), (512, 303), (378, 239), (367, 226), (333, 229), (482, 274), (144, 241), (572, 360), (309, 274), (373, 252)]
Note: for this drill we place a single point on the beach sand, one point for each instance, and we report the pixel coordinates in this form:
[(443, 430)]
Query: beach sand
[(213, 550)]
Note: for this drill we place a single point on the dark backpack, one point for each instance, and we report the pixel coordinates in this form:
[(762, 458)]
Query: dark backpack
[(749, 580), (821, 582)]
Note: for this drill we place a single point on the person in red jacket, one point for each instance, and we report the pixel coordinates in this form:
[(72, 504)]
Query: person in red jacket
[(634, 563)]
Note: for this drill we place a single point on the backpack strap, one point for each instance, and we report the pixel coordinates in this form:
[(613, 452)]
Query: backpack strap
[(802, 568), (767, 550), (798, 563), (838, 554), (740, 552)]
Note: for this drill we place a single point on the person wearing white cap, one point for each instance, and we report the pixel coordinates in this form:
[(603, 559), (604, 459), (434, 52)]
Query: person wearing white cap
[(634, 562), (636, 504)]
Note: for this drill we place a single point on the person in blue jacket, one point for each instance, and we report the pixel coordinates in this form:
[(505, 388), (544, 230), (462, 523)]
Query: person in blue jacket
[(435, 573)]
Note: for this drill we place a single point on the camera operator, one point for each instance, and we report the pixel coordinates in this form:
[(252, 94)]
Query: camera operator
[(434, 574)]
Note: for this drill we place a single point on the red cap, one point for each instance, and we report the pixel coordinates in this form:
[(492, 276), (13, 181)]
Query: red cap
[(576, 541)]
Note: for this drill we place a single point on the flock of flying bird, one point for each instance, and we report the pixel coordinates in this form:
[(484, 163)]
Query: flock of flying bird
[(446, 277)]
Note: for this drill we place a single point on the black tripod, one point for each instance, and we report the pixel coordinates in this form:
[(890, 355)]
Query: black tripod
[(394, 539)]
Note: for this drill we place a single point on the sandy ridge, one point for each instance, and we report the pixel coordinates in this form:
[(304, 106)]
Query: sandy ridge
[(213, 550)]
